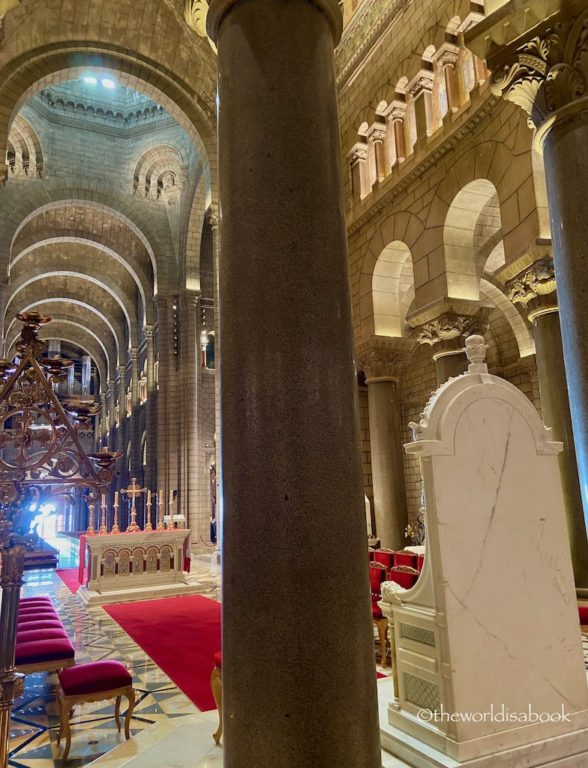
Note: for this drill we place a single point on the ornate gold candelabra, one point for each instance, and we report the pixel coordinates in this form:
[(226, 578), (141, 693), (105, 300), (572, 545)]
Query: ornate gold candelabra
[(132, 491)]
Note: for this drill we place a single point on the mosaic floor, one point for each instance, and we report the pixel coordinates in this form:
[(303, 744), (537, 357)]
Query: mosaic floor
[(96, 636), (168, 729)]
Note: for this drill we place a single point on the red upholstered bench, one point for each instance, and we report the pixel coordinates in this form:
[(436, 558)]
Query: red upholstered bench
[(583, 614), (42, 644), (216, 684), (94, 681)]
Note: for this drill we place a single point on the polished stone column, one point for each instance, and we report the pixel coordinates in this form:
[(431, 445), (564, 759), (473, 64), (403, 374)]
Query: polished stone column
[(151, 413), (383, 361), (298, 669), (111, 415), (542, 69), (134, 431), (536, 289), (164, 407)]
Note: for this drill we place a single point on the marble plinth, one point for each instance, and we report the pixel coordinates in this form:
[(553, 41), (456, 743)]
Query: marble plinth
[(135, 566)]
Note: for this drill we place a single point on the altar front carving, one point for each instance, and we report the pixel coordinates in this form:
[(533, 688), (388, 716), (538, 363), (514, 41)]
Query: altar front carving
[(135, 566)]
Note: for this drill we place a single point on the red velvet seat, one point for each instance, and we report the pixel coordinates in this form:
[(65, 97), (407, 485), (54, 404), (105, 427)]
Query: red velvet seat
[(218, 659), (39, 651), (405, 558), (47, 633), (30, 624), (94, 677), (404, 575), (583, 614), (35, 601), (37, 611), (384, 556)]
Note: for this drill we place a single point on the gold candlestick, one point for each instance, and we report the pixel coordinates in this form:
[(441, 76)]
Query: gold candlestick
[(160, 525), (115, 528), (91, 530), (148, 526), (103, 529), (133, 492)]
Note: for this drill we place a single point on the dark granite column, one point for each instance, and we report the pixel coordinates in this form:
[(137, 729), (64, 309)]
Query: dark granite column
[(151, 414), (536, 289), (298, 659)]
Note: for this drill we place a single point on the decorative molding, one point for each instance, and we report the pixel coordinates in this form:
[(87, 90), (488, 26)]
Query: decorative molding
[(415, 173), (421, 82), (450, 326), (376, 132), (535, 288), (367, 25), (358, 153), (546, 72), (383, 358)]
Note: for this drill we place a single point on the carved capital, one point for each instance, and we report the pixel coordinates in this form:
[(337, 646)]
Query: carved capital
[(545, 69), (358, 153), (383, 358), (376, 132), (448, 328), (535, 288), (447, 55), (149, 332), (396, 110), (421, 83), (134, 354)]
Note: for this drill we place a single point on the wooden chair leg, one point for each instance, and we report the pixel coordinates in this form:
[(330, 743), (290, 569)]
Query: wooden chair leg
[(117, 712), (216, 685), (130, 694), (66, 712)]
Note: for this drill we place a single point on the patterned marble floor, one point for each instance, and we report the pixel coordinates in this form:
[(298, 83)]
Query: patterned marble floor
[(96, 636)]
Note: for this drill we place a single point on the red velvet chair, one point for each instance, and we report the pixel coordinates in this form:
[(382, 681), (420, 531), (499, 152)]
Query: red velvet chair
[(583, 614), (93, 681), (405, 558), (384, 556), (404, 575), (377, 576)]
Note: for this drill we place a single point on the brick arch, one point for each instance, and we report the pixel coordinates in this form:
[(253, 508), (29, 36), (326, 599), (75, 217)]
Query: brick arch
[(511, 176), (71, 291), (64, 309), (520, 330), (400, 228), (74, 334), (26, 204)]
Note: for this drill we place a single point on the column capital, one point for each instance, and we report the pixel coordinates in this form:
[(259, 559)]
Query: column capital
[(382, 358), (376, 132), (535, 287), (447, 55), (134, 353), (538, 58), (446, 331), (149, 331), (422, 82), (218, 9), (358, 153), (121, 370), (396, 110)]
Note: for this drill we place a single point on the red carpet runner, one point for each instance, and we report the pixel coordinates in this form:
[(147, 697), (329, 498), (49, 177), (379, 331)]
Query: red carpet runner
[(181, 635), (69, 576)]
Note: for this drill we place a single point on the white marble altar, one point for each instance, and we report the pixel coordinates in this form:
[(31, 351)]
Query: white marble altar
[(135, 566), (491, 628)]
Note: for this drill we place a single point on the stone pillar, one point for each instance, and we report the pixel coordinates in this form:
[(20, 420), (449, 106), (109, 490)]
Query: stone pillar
[(536, 288), (111, 415), (543, 70), (86, 374), (357, 164), (397, 116), (421, 89), (447, 57), (376, 136), (134, 431), (383, 361), (292, 481), (151, 414)]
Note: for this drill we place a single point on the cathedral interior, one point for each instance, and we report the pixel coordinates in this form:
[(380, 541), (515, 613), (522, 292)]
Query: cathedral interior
[(310, 282)]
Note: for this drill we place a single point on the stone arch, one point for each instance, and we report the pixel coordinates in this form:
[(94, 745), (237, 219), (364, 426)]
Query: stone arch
[(151, 166), (386, 261), (473, 218), (24, 156), (520, 330)]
